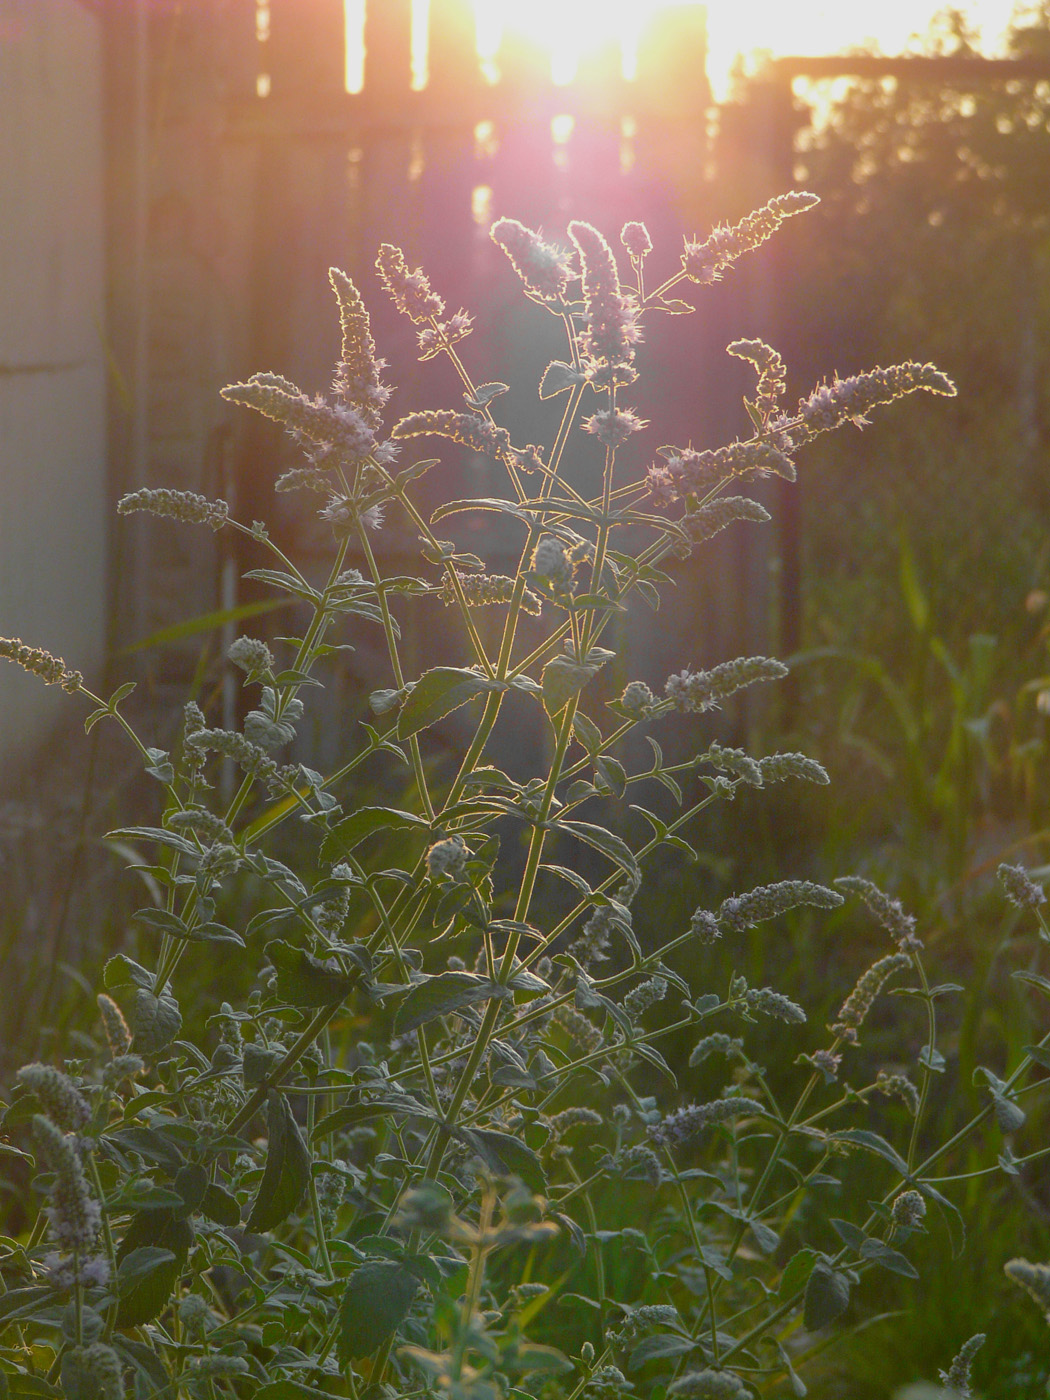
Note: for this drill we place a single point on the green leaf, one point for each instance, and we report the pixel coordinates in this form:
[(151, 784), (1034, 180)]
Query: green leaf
[(291, 1390), (352, 1114), (352, 830), (206, 622), (306, 981), (827, 1296), (509, 1156), (561, 680), (659, 1347), (557, 377), (287, 1172), (1039, 1053), (436, 694), (485, 393), (442, 995), (154, 1021), (120, 971), (612, 846), (1032, 979), (377, 1298), (532, 1356), (887, 1258), (220, 1206), (796, 1271), (850, 1234), (150, 1259)]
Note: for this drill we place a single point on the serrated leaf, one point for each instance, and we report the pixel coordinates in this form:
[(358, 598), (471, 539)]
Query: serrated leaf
[(145, 1279), (849, 1234), (442, 995), (377, 1298), (659, 1348), (827, 1296), (220, 1206), (154, 1021), (588, 733), (605, 841), (766, 1239), (557, 377), (509, 1156), (887, 1258), (120, 971), (352, 830), (561, 680), (436, 694), (485, 393), (306, 981), (287, 1172), (860, 1137)]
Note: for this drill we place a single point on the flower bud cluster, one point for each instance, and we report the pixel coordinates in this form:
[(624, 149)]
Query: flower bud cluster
[(646, 994), (205, 825), (737, 762), (1020, 888), (52, 670), (59, 1097), (118, 1034), (410, 292), (611, 328), (176, 505), (716, 1044), (693, 692), (357, 376), (708, 520), (744, 911), (686, 472), (442, 336), (908, 1209), (777, 767), (550, 561), (472, 431), (74, 1214), (703, 262), (703, 925), (643, 1160), (248, 756), (898, 1086), (889, 912), (544, 269), (772, 375), (585, 1033), (447, 858), (855, 1008), (635, 238), (613, 426), (250, 655), (637, 699), (481, 590), (848, 400), (957, 1376), (92, 1372), (687, 1123), (770, 1003), (573, 1118)]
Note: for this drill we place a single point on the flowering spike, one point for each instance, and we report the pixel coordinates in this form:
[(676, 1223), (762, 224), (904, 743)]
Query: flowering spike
[(696, 691), (52, 670), (848, 400), (612, 329), (410, 292), (544, 269), (703, 262), (859, 1002)]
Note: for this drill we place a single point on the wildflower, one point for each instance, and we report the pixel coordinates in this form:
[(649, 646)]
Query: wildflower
[(74, 1213), (848, 400), (1020, 888), (544, 269), (637, 699), (611, 318), (889, 912), (92, 1372), (410, 291), (827, 1062), (703, 523), (585, 1033), (613, 426), (205, 825), (340, 434), (193, 719), (635, 238), (1035, 1278), (689, 472), (176, 505), (693, 692), (245, 754), (776, 767), (744, 911), (908, 1209), (859, 1002), (250, 655), (641, 1161), (646, 994), (357, 376), (703, 262), (479, 590), (708, 1385), (573, 1118), (444, 334), (771, 1003), (594, 940), (447, 858), (550, 561), (898, 1086), (737, 762), (772, 375), (717, 1044), (118, 1035), (957, 1376), (52, 670), (65, 1271), (703, 925), (472, 431), (195, 1315), (59, 1097), (121, 1069), (685, 1124)]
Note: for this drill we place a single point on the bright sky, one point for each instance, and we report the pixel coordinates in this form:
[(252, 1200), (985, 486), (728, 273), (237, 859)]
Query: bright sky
[(570, 27)]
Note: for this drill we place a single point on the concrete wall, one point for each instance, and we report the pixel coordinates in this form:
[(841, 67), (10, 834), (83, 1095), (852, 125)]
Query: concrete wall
[(53, 515)]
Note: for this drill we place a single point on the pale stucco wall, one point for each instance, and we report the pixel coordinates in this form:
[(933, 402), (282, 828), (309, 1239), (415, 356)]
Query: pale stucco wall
[(53, 515)]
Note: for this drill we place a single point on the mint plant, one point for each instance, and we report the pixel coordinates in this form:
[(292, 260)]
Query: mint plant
[(385, 1169)]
